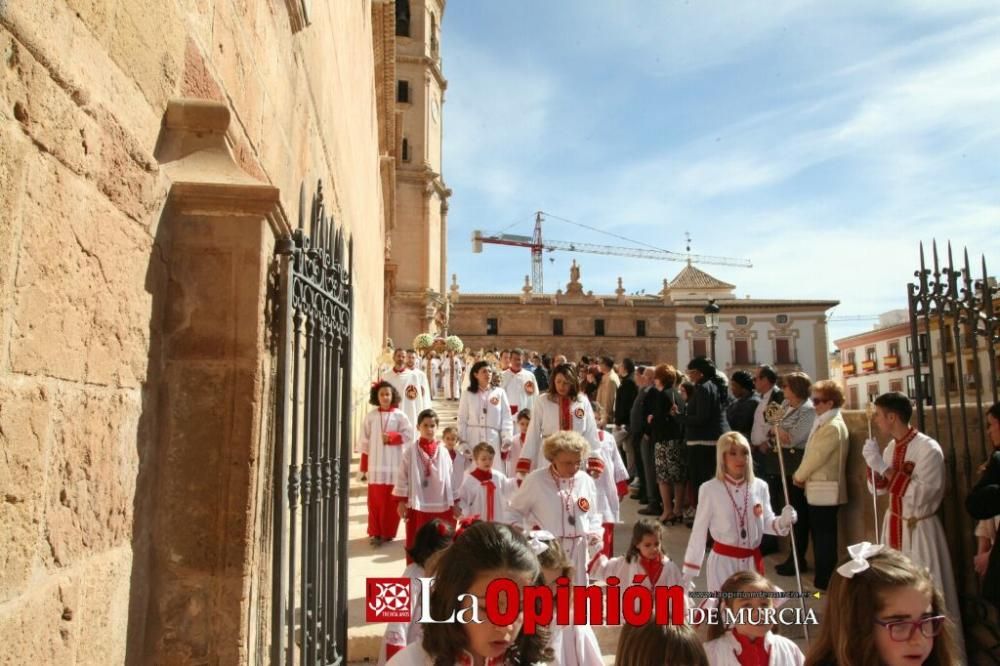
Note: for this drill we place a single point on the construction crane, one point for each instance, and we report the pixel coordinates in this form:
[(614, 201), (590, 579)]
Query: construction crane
[(537, 245)]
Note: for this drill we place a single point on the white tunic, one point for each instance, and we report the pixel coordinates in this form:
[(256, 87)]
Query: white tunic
[(717, 515), (516, 446), (407, 384), (425, 387), (401, 634), (383, 459), (485, 417), (545, 422), (435, 375), (608, 504), (520, 387), (575, 645), (627, 572), (542, 500), (723, 650), (414, 655), (472, 496), (925, 543), (438, 495), (451, 377)]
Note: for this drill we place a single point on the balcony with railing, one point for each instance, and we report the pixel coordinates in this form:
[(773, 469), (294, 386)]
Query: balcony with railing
[(869, 365), (890, 362), (849, 369)]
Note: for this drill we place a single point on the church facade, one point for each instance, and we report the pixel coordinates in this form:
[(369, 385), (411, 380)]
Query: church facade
[(669, 327)]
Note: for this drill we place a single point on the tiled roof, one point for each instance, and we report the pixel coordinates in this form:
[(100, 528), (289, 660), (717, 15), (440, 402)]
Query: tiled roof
[(695, 278)]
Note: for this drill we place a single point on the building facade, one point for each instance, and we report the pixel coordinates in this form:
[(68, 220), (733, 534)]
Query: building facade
[(882, 360), (417, 254), (670, 327), (152, 156)]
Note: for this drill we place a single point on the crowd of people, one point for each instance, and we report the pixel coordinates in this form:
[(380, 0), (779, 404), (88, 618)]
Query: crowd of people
[(544, 451)]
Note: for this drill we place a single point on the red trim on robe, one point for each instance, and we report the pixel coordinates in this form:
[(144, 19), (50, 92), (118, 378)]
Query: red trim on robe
[(741, 553), (622, 487), (565, 418), (364, 463), (595, 466), (752, 651), (391, 650), (896, 490), (523, 466), (653, 568)]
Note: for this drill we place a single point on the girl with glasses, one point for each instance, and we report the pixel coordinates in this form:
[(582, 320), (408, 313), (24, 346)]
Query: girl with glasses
[(883, 609)]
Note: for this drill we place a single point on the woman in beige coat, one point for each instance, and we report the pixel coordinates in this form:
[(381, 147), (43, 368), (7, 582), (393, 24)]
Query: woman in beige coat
[(822, 474)]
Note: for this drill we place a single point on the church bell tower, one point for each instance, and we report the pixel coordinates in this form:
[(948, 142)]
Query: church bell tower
[(416, 267)]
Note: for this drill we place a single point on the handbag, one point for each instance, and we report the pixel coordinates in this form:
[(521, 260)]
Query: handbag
[(823, 493)]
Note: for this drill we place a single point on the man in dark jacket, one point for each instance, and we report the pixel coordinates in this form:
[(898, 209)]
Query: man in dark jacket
[(741, 410), (541, 373), (765, 459), (704, 421), (983, 503), (636, 430), (624, 398)]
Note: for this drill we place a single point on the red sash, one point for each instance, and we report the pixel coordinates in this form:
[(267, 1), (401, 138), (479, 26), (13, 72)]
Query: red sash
[(897, 488), (565, 418), (486, 479), (741, 553)]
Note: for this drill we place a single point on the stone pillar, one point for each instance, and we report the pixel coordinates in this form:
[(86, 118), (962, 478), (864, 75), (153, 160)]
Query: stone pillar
[(216, 240)]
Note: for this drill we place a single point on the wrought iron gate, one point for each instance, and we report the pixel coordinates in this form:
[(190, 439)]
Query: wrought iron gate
[(312, 441), (954, 341)]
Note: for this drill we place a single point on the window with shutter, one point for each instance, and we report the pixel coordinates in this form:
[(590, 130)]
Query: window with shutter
[(741, 351), (699, 347), (782, 351)]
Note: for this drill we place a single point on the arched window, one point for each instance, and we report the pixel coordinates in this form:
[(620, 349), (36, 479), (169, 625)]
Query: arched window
[(403, 18)]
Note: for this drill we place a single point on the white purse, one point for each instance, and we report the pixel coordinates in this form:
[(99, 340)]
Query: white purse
[(823, 493)]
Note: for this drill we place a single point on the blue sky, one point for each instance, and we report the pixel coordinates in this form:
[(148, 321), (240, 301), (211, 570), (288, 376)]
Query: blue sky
[(821, 140)]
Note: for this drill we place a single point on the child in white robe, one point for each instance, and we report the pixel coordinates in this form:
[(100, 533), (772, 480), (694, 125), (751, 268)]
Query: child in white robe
[(574, 644), (423, 483), (562, 408), (485, 492), (644, 561), (523, 421), (407, 384), (484, 415), (911, 471), (562, 499), (612, 484), (735, 508), (386, 432), (432, 537), (519, 384), (460, 462), (751, 642), (452, 372), (480, 554), (887, 604)]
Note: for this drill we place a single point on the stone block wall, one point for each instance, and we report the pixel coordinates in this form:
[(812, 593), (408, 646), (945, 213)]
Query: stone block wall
[(86, 296)]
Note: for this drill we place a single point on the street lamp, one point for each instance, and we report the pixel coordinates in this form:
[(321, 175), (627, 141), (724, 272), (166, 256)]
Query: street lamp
[(712, 322)]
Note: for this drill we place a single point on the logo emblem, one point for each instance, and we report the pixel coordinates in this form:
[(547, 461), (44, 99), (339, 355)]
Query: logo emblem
[(758, 510), (529, 388), (578, 413), (494, 401), (411, 392), (583, 504), (387, 600)]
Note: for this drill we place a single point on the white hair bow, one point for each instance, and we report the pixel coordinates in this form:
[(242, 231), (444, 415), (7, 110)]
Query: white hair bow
[(537, 540), (859, 552)]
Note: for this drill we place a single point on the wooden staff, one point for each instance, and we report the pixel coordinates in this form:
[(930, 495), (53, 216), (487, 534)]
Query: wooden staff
[(773, 414), (871, 473)]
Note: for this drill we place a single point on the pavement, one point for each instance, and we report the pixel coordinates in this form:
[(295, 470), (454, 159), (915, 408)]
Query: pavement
[(364, 640)]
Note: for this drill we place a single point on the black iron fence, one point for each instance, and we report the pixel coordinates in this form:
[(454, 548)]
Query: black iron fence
[(953, 346), (312, 441)]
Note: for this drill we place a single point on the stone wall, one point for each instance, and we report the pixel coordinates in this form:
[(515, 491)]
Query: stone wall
[(87, 295)]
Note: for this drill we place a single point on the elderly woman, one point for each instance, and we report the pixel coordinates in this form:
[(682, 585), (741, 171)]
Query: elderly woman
[(793, 434), (822, 475)]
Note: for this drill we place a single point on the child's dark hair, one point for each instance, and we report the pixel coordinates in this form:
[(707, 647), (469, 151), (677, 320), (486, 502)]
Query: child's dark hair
[(847, 636), (642, 528), (554, 557), (482, 447), (480, 548), (428, 414), (738, 582), (523, 414), (378, 386), (429, 539), (652, 643)]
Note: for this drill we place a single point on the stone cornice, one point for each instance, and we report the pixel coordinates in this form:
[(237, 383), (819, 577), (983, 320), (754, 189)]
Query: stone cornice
[(430, 63)]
